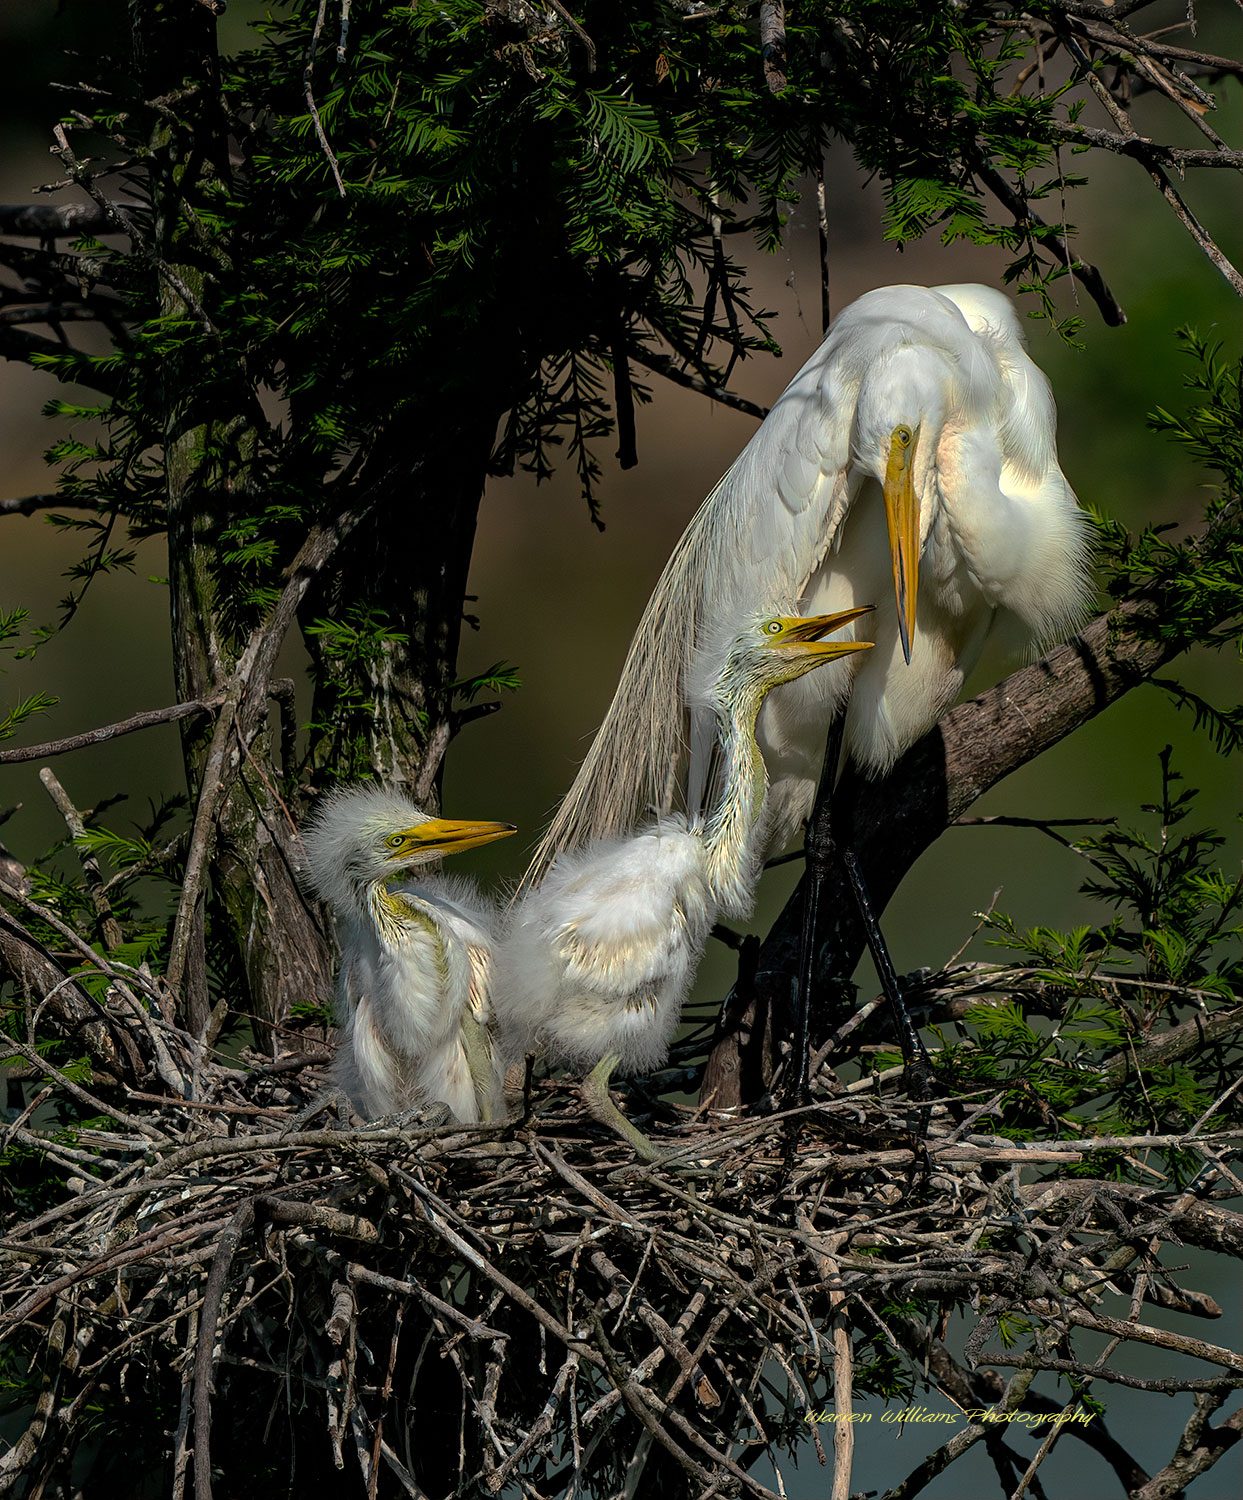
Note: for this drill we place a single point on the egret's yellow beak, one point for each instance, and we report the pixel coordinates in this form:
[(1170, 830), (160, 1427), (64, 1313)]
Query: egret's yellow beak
[(902, 516), (451, 835), (803, 632)]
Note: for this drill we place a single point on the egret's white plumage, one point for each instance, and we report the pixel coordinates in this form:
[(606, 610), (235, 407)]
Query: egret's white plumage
[(413, 991), (597, 960), (996, 539)]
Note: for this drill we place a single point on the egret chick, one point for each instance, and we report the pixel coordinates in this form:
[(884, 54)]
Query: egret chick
[(597, 960), (413, 999)]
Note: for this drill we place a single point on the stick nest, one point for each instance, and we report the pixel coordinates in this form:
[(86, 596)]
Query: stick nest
[(440, 1310)]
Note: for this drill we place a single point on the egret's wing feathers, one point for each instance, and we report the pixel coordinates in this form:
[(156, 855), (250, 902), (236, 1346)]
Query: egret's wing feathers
[(1048, 597), (634, 761), (466, 1065), (479, 996), (613, 955), (596, 959), (364, 1066)]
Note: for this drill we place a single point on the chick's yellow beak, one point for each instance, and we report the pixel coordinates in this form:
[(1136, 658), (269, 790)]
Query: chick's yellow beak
[(803, 632), (452, 835), (902, 518)]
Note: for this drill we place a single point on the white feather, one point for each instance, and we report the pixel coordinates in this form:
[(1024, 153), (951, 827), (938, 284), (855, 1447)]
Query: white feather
[(600, 957)]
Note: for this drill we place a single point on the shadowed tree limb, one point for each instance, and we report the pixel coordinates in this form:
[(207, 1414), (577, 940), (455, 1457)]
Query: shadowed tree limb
[(664, 365), (27, 505), (30, 348), (47, 221), (37, 973), (1199, 1448), (242, 710), (1087, 275)]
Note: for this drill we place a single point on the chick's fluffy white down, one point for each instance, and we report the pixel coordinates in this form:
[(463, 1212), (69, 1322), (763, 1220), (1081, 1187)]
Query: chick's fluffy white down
[(600, 957), (402, 1003)]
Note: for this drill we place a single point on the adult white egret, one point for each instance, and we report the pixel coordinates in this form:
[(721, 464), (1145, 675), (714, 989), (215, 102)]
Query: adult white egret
[(596, 961), (914, 451), (413, 996)]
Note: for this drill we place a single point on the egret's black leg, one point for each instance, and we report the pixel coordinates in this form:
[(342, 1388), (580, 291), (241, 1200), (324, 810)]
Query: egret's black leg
[(818, 844), (918, 1067)]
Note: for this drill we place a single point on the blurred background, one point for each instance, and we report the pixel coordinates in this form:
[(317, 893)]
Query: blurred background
[(560, 599)]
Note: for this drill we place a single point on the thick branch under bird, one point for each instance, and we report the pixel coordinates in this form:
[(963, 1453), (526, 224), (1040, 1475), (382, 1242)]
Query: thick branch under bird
[(597, 960), (913, 454), (413, 990)]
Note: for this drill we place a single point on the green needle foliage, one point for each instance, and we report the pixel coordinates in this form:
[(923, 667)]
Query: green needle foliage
[(1119, 1013)]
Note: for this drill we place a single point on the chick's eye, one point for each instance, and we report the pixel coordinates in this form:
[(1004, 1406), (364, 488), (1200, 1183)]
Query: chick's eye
[(773, 627), (395, 841), (903, 435)]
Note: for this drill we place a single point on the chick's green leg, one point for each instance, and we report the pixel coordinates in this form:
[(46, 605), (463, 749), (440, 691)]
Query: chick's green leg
[(478, 1045), (600, 1104)]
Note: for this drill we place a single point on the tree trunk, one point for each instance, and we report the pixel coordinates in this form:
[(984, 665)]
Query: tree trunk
[(389, 713), (211, 440)]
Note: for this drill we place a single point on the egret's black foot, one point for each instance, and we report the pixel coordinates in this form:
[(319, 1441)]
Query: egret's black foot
[(332, 1101), (420, 1117), (797, 1095)]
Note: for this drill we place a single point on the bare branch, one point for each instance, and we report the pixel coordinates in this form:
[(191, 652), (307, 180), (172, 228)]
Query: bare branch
[(589, 47), (664, 365), (145, 720), (940, 1458), (1155, 157), (242, 706), (205, 1351), (308, 93), (1088, 276), (773, 44), (47, 221), (1199, 1448), (109, 927), (27, 505)]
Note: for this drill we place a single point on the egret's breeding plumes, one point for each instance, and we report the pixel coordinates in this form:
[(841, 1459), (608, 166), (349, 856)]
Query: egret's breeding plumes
[(598, 959), (913, 456), (413, 991)]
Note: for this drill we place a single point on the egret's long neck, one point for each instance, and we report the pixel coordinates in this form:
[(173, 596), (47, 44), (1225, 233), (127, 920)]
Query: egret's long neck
[(731, 837), (397, 916)]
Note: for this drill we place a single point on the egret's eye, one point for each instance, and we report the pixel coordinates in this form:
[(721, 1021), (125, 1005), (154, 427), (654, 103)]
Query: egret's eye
[(395, 840), (903, 435), (773, 627)]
